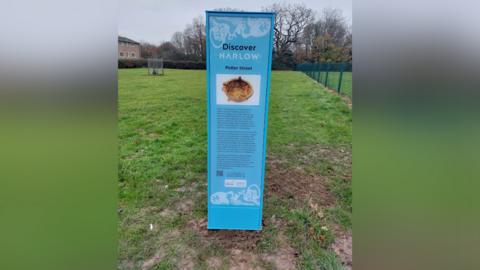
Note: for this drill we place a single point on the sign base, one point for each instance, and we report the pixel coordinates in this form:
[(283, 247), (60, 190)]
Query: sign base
[(239, 218)]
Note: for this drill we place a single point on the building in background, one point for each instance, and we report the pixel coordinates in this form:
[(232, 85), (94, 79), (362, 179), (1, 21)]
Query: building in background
[(128, 49)]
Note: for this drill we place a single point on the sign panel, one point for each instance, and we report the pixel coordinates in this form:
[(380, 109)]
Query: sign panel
[(239, 52)]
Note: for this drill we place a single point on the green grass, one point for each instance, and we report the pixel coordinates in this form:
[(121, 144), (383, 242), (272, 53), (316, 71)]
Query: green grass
[(333, 80), (162, 170)]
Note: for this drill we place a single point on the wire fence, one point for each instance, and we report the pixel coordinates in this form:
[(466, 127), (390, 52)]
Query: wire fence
[(335, 76)]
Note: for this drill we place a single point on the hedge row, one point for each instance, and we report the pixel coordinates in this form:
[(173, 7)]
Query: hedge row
[(139, 63), (142, 63)]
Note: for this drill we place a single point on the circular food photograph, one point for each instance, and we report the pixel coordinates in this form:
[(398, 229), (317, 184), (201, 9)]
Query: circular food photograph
[(237, 90)]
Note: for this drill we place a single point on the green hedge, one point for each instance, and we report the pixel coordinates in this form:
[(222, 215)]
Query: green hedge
[(142, 63)]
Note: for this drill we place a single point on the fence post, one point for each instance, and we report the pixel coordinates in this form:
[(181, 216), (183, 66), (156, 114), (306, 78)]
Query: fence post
[(321, 74), (326, 75), (318, 70), (342, 67)]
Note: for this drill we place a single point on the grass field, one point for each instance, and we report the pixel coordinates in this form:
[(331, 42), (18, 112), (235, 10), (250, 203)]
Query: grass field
[(162, 178), (333, 80)]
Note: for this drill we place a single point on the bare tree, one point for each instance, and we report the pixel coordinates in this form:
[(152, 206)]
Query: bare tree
[(200, 36), (194, 39), (333, 23), (177, 41), (290, 21), (308, 37), (327, 38), (347, 47), (148, 50)]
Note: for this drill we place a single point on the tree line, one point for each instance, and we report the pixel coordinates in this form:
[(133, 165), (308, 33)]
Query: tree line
[(298, 37)]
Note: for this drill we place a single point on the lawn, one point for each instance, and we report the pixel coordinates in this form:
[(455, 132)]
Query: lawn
[(333, 80), (162, 177)]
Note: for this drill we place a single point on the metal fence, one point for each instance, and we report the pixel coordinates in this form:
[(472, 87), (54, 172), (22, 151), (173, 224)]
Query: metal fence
[(335, 76)]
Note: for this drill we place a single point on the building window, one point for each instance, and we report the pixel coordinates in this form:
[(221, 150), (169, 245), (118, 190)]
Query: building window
[(133, 54)]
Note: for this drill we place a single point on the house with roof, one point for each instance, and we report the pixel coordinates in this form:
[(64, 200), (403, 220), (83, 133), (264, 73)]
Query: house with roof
[(128, 48)]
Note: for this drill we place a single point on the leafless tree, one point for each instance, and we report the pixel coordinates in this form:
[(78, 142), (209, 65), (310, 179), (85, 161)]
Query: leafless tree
[(169, 51), (290, 21), (148, 50), (327, 39), (347, 46), (177, 41), (308, 37), (333, 23), (200, 36), (194, 39)]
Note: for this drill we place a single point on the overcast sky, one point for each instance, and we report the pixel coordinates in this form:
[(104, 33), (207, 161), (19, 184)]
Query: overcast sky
[(155, 21)]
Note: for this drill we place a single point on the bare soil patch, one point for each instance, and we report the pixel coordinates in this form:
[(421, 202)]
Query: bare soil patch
[(300, 185), (214, 263), (153, 260), (228, 239), (161, 252), (184, 205), (167, 212), (242, 246), (244, 260), (296, 184), (338, 156), (284, 258), (343, 248), (185, 258)]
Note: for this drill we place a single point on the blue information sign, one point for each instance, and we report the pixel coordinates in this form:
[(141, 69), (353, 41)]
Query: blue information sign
[(239, 56)]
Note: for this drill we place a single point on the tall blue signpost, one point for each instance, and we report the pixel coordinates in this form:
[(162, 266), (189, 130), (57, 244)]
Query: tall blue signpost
[(239, 56)]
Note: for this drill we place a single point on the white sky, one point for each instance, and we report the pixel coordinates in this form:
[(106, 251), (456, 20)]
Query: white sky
[(155, 21)]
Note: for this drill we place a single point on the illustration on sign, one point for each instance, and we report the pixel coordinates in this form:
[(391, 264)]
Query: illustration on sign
[(223, 29), (249, 196), (239, 50)]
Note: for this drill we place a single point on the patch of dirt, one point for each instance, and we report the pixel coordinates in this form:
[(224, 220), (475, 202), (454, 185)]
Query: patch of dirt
[(187, 188), (174, 233), (296, 184), (337, 158), (167, 212), (228, 239), (148, 210), (126, 265), (185, 256), (284, 258), (185, 205), (300, 185), (242, 246), (153, 260), (185, 259), (214, 263), (343, 248), (243, 260)]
